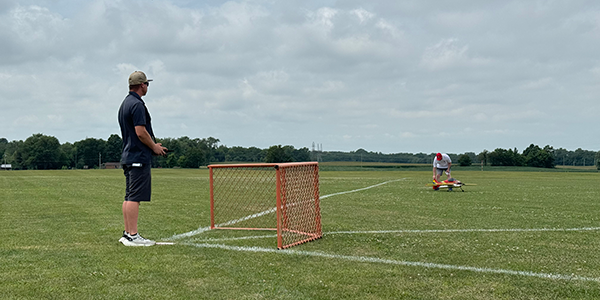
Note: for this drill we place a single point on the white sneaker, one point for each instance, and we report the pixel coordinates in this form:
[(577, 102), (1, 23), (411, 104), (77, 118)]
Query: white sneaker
[(135, 240), (124, 237)]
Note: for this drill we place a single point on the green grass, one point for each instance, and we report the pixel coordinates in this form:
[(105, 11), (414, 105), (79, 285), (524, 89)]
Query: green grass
[(59, 232)]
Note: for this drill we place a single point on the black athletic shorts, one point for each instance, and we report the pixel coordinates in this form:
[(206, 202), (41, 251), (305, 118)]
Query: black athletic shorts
[(138, 182), (441, 171)]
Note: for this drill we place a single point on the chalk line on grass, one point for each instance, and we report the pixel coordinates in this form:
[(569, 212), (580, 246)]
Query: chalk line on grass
[(464, 230), (251, 237), (398, 262), (361, 189), (165, 243), (188, 234), (365, 259), (417, 231), (272, 210)]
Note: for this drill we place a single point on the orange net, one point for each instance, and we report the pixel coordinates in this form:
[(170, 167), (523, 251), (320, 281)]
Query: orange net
[(282, 197)]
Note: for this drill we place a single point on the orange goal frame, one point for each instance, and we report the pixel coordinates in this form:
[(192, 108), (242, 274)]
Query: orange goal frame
[(242, 198)]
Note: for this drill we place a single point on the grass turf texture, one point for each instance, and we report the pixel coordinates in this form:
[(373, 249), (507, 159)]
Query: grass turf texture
[(59, 232)]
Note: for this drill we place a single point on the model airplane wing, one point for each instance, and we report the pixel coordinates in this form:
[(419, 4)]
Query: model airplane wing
[(448, 185)]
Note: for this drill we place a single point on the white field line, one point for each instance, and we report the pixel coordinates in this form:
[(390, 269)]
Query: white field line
[(204, 229), (252, 237), (408, 231), (366, 259), (165, 243), (188, 234), (362, 189), (464, 230)]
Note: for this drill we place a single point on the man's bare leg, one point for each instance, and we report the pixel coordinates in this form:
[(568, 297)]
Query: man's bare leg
[(130, 215)]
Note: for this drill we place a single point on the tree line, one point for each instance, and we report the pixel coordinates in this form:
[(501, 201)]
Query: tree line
[(42, 152), (532, 156), (46, 152)]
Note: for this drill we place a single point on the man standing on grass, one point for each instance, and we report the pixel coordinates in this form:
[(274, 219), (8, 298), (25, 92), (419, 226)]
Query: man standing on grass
[(441, 164), (138, 148)]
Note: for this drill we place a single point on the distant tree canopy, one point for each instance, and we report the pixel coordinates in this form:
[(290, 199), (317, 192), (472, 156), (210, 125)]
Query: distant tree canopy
[(538, 157), (533, 156), (40, 152), (277, 154), (502, 157), (45, 152), (89, 152), (464, 160)]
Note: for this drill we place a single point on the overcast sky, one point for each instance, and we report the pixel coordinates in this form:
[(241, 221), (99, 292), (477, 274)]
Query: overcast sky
[(385, 76)]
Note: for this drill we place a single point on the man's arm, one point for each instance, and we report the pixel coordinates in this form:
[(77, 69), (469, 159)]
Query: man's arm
[(145, 137)]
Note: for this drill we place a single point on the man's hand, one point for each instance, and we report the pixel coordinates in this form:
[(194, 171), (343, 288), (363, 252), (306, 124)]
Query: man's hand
[(159, 150), (144, 136)]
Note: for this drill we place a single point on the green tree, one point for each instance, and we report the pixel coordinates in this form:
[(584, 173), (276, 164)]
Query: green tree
[(69, 152), (170, 161), (256, 154), (277, 154), (472, 156), (114, 148), (502, 157), (3, 146), (465, 160), (550, 160), (518, 159), (188, 153), (209, 147), (12, 155), (238, 154), (241, 154), (483, 156), (583, 157), (172, 157), (89, 152), (561, 156), (537, 157), (302, 154), (194, 158), (41, 152), (181, 161)]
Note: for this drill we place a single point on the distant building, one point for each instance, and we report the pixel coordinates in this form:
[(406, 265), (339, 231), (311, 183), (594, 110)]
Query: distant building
[(5, 167), (111, 165)]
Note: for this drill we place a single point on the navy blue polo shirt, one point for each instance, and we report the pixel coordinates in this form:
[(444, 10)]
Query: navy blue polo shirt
[(133, 112)]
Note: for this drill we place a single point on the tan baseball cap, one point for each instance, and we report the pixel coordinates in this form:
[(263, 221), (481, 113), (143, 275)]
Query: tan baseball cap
[(138, 77)]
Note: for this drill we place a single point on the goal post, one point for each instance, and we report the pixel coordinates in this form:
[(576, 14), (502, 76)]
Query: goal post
[(274, 196)]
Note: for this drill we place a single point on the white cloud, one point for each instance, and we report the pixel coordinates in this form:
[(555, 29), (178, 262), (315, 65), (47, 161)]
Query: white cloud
[(362, 15), (323, 18), (538, 84), (259, 73), (446, 53)]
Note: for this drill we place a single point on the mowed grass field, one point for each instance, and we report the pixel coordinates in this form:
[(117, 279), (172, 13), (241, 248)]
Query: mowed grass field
[(516, 235)]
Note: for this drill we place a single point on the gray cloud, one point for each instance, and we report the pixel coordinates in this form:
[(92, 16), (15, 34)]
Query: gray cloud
[(409, 76)]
